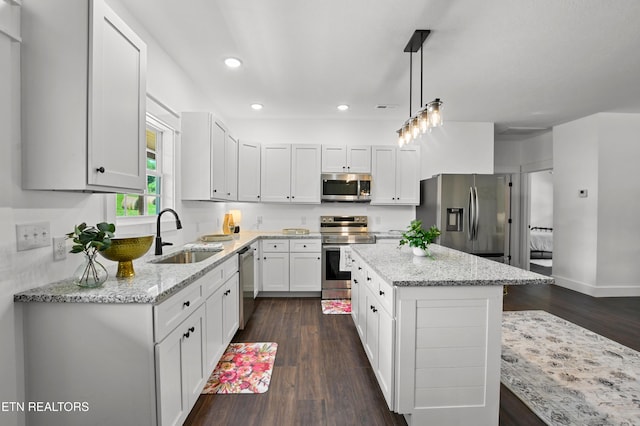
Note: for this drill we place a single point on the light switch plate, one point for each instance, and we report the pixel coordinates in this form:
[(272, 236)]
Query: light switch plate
[(59, 248), (32, 235)]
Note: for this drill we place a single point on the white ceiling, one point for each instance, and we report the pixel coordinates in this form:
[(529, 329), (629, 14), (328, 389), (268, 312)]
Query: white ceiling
[(518, 63)]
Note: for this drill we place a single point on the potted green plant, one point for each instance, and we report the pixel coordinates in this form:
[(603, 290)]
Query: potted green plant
[(419, 238), (90, 240)]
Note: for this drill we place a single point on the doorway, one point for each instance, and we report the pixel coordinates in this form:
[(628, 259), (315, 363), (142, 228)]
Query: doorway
[(539, 248)]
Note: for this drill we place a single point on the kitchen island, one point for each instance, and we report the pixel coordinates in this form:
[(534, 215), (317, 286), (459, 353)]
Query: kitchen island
[(431, 329)]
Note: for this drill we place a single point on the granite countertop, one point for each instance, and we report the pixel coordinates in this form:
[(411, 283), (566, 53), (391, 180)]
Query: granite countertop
[(399, 267), (153, 282)]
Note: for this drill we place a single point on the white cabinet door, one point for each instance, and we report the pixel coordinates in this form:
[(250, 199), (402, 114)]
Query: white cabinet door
[(196, 154), (371, 328), (181, 367), (217, 162), (384, 373), (408, 175), (84, 99), (275, 271), (275, 173), (383, 173), (305, 272), (356, 287), (248, 171), (231, 308), (172, 404), (305, 174), (359, 159), (334, 159), (396, 175), (230, 168), (215, 342), (194, 364), (117, 102)]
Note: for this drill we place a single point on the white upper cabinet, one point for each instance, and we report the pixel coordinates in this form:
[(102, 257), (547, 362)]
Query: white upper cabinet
[(346, 159), (305, 174), (248, 171), (290, 173), (209, 157), (395, 175), (275, 172), (83, 98)]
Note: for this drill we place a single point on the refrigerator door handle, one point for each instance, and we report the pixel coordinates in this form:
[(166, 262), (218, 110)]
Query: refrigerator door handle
[(477, 213), (470, 214)]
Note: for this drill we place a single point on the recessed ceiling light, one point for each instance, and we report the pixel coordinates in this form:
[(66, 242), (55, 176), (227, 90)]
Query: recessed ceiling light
[(343, 107), (257, 106), (232, 62)]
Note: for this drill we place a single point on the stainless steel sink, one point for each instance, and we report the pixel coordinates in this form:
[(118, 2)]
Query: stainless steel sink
[(186, 256)]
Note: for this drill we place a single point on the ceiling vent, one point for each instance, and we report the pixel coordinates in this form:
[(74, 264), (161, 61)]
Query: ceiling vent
[(522, 130), (386, 106)]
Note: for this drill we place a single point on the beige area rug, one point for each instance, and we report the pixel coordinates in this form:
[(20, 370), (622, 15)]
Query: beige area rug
[(568, 375)]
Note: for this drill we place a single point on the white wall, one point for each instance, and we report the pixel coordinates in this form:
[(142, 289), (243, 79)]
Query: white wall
[(458, 147), (595, 243), (618, 204)]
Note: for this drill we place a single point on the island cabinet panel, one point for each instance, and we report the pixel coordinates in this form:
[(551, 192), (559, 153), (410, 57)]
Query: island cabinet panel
[(101, 354), (448, 354)]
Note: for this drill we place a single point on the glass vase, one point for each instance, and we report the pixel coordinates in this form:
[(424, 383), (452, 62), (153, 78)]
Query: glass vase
[(90, 273)]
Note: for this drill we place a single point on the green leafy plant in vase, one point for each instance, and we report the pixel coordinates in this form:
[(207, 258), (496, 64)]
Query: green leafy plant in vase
[(90, 240), (419, 238)]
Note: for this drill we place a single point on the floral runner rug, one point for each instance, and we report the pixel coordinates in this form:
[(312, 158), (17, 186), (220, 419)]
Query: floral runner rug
[(337, 306), (243, 368), (568, 375)]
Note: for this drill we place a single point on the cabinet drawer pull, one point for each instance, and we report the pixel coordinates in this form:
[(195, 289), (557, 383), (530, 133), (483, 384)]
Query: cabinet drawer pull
[(374, 310), (318, 258), (186, 335), (381, 293), (368, 278), (355, 281), (187, 303), (192, 329), (100, 169)]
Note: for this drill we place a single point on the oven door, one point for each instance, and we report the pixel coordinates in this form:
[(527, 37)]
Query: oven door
[(336, 284)]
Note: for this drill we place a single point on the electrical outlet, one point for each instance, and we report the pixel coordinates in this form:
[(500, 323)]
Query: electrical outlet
[(59, 248), (32, 235)]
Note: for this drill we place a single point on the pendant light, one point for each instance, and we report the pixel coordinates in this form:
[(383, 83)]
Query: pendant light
[(430, 115)]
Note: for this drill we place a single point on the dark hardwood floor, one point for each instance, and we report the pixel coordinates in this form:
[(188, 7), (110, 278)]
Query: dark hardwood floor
[(322, 375)]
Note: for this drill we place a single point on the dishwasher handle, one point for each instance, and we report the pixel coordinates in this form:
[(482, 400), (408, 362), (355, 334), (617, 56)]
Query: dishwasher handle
[(243, 250)]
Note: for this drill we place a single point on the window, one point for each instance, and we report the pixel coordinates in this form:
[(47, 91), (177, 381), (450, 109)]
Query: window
[(158, 192)]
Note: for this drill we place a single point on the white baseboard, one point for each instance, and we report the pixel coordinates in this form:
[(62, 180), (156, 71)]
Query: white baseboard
[(598, 291)]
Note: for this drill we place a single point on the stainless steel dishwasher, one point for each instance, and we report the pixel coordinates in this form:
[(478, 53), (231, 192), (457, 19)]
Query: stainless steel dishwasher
[(246, 285)]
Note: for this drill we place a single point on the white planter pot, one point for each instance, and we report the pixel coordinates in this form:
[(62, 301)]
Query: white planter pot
[(417, 251)]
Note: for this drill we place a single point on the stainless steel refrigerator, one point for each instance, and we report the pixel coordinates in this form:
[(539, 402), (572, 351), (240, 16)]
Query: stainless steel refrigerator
[(472, 212)]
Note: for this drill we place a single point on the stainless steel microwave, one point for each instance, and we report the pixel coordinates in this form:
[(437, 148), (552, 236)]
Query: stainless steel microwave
[(346, 187)]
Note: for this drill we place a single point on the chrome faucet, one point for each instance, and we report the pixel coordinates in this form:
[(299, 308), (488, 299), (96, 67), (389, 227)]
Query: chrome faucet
[(159, 242)]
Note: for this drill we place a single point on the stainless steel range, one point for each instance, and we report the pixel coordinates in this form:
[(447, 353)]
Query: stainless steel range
[(340, 231)]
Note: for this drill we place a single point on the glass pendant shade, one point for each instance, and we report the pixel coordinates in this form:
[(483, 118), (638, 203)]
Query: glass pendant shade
[(423, 120), (415, 129), (435, 118), (400, 138), (406, 131)]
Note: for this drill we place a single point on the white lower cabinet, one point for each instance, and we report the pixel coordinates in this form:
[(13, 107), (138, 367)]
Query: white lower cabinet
[(147, 363), (291, 265), (375, 325), (181, 369)]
